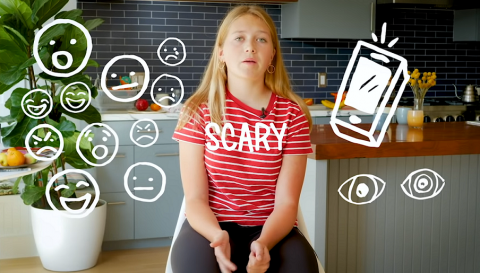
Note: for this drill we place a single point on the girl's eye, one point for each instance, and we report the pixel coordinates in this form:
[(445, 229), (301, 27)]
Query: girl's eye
[(238, 38), (262, 39)]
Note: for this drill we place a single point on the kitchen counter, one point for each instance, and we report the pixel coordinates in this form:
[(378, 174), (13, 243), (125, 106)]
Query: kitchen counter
[(315, 111), (393, 222), (440, 138)]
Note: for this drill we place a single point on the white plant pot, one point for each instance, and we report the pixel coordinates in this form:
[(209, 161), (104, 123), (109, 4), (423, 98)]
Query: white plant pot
[(69, 244)]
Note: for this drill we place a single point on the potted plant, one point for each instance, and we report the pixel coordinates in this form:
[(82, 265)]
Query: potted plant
[(55, 235)]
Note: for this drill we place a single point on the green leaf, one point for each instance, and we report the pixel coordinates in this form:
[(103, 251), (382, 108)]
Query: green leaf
[(18, 34), (7, 119), (32, 194), (15, 185), (6, 130), (92, 63), (71, 14), (66, 127), (70, 191), (19, 9), (91, 24), (5, 87), (16, 72), (52, 34), (44, 9), (17, 95), (28, 179), (11, 54), (17, 136), (90, 115)]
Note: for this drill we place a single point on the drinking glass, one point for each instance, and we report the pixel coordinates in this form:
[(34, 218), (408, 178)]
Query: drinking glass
[(415, 118)]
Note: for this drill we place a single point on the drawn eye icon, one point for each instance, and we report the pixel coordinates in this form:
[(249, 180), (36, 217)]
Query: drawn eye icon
[(363, 189), (426, 184)]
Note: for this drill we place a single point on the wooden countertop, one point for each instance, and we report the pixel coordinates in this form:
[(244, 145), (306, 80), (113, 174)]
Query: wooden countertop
[(444, 138)]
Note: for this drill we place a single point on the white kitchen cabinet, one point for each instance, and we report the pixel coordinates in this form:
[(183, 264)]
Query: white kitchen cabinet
[(337, 19)]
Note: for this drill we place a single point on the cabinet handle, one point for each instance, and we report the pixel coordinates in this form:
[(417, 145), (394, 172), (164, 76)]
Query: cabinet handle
[(371, 17), (116, 203), (173, 154), (149, 132), (117, 156)]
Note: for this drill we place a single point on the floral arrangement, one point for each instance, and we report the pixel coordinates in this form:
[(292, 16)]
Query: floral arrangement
[(421, 85)]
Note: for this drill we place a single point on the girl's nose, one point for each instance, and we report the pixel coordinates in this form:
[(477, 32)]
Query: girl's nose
[(250, 48)]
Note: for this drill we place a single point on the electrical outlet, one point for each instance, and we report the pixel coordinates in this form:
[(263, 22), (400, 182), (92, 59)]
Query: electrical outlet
[(322, 79)]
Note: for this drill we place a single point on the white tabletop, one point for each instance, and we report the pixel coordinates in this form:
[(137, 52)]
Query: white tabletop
[(40, 165)]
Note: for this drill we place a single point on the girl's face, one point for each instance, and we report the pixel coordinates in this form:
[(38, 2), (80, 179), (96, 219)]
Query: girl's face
[(248, 48)]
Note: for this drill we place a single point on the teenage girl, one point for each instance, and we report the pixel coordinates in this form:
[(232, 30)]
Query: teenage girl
[(241, 203)]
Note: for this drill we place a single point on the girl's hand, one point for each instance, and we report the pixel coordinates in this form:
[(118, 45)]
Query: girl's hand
[(221, 244), (259, 260)]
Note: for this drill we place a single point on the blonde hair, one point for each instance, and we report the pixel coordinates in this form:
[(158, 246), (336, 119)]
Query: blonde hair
[(212, 87)]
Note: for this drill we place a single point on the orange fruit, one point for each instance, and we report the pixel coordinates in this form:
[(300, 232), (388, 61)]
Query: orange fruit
[(308, 101), (15, 158), (155, 107)]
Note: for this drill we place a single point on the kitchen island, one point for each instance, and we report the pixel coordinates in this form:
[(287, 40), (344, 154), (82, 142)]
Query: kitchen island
[(396, 233)]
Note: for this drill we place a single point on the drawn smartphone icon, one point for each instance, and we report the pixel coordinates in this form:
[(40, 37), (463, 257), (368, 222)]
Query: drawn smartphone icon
[(367, 85)]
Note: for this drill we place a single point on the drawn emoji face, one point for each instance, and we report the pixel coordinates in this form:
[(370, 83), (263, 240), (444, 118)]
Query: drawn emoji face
[(106, 75), (172, 51), (144, 133), (145, 186), (51, 142), (167, 84), (83, 209), (103, 135), (75, 100), (62, 60), (37, 104)]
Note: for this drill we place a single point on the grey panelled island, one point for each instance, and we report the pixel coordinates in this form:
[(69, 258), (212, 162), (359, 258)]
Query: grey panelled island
[(395, 232)]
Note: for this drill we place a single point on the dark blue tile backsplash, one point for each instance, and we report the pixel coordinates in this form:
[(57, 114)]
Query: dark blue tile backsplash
[(139, 27)]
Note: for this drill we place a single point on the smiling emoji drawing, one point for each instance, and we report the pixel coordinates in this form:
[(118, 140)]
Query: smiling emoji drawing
[(75, 100), (34, 110), (84, 210)]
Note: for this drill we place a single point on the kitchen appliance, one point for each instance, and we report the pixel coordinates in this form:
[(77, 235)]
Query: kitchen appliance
[(469, 95)]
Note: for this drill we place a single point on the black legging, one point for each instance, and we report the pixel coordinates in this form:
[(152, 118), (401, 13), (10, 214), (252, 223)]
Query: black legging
[(191, 252)]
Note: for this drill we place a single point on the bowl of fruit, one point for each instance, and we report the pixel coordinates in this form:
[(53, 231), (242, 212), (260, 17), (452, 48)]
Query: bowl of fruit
[(17, 157)]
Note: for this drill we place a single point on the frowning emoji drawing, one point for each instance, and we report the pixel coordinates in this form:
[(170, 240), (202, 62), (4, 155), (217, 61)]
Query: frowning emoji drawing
[(50, 141), (172, 51)]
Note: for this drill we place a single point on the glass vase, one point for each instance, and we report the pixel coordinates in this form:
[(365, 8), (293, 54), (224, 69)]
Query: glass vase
[(415, 116)]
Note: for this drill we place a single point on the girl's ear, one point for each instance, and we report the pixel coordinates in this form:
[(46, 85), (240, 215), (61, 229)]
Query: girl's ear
[(220, 53), (273, 56)]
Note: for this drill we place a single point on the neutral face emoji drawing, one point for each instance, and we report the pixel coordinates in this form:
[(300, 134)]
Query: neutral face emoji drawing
[(144, 133), (107, 75), (62, 59), (75, 101), (172, 52), (51, 142), (37, 104), (84, 210), (166, 84), (142, 183), (102, 136)]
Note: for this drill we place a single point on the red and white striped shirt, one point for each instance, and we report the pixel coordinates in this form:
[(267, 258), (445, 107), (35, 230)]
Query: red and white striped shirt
[(242, 182)]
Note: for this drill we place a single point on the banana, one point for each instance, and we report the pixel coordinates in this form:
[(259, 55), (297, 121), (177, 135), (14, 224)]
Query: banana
[(331, 105)]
